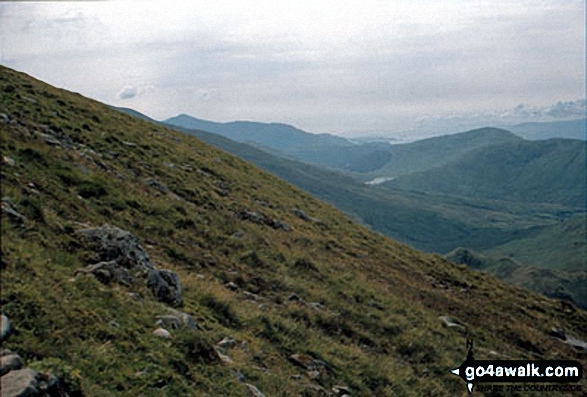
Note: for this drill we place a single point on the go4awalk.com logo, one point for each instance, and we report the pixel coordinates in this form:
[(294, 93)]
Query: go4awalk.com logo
[(531, 374)]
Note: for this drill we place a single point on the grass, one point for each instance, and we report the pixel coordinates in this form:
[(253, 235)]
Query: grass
[(376, 327)]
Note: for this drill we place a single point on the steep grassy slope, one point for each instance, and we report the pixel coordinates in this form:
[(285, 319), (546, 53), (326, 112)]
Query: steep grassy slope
[(568, 285), (365, 308), (551, 171)]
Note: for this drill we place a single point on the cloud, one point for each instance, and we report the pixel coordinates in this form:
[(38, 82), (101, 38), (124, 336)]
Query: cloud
[(567, 109), (128, 92)]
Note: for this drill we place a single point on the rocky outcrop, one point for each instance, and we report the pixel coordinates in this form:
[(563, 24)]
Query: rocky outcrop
[(260, 219), (123, 260)]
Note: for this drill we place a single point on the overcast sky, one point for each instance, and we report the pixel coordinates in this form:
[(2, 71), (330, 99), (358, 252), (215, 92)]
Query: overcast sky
[(356, 67)]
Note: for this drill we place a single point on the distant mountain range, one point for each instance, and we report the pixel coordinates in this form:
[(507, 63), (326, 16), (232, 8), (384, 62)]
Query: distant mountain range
[(570, 129)]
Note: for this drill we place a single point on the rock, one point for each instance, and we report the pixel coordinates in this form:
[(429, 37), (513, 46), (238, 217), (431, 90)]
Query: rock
[(224, 358), (50, 140), (251, 296), (156, 185), (296, 377), (165, 286), (162, 333), (5, 327), (9, 161), (305, 217), (254, 391), (231, 286), (20, 383), (107, 272), (305, 361), (114, 244), (558, 333), (294, 298), (177, 320), (279, 225), (9, 209), (238, 235), (5, 352), (252, 216), (10, 363), (450, 322), (341, 389), (4, 118), (227, 343), (129, 144)]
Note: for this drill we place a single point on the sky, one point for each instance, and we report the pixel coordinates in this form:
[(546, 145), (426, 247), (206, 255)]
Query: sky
[(388, 68)]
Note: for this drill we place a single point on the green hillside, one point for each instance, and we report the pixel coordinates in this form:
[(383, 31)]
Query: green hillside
[(568, 285), (559, 246), (287, 296), (551, 171), (434, 152)]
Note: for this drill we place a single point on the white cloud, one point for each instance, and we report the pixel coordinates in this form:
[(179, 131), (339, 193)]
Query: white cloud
[(128, 92)]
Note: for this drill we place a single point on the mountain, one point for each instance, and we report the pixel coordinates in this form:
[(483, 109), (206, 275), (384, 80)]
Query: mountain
[(569, 129), (434, 152), (253, 286), (366, 159), (568, 285), (550, 171)]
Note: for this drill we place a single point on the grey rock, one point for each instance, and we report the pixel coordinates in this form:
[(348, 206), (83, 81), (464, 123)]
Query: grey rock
[(231, 286), (165, 286), (10, 363), (107, 272), (9, 210), (129, 144), (50, 140), (114, 244), (162, 333), (227, 343), (5, 327), (177, 320), (450, 322), (254, 391), (252, 216), (5, 352), (296, 377), (279, 225), (4, 118), (341, 389), (156, 185), (558, 333), (20, 383)]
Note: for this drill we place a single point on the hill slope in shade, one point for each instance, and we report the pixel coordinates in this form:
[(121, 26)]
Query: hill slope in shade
[(559, 246), (569, 285), (551, 171), (313, 295), (569, 129)]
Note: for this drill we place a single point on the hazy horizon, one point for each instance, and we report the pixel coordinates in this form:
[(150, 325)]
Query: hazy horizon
[(411, 68)]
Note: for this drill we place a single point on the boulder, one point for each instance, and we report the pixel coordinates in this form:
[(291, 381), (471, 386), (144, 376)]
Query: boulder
[(114, 244), (227, 343), (450, 322), (20, 383), (176, 320), (10, 363), (162, 333), (165, 286), (107, 272)]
